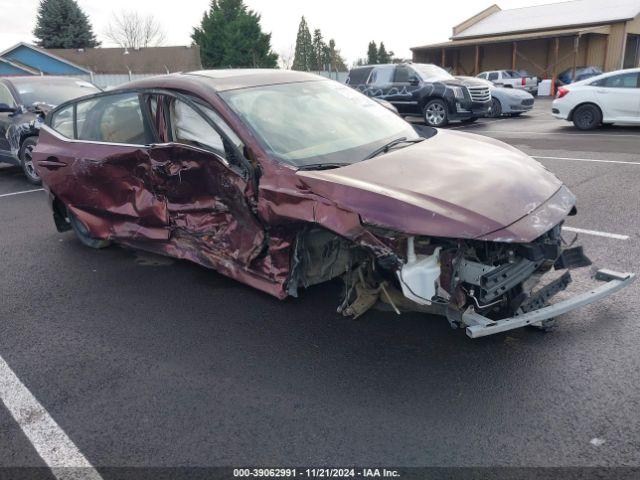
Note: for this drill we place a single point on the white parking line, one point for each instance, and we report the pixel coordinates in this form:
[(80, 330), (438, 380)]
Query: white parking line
[(20, 193), (52, 444), (597, 233), (586, 160)]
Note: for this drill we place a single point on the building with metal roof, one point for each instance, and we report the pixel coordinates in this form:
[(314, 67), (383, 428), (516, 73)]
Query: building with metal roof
[(543, 40)]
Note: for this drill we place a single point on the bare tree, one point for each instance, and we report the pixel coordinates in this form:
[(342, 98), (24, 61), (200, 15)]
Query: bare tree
[(286, 58), (131, 29)]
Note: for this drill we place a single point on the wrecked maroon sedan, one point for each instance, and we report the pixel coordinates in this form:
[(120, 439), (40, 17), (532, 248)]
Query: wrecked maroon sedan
[(283, 180)]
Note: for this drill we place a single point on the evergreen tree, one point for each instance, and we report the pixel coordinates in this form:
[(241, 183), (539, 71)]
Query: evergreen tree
[(303, 56), (372, 54), (383, 56), (320, 54), (63, 24), (336, 61), (230, 36)]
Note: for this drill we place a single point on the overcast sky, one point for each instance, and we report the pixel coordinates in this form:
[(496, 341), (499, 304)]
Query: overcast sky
[(352, 23)]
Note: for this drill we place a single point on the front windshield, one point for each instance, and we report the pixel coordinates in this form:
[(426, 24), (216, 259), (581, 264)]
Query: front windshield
[(431, 73), (53, 92), (317, 122)]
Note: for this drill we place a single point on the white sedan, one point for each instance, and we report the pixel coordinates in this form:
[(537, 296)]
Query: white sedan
[(612, 97)]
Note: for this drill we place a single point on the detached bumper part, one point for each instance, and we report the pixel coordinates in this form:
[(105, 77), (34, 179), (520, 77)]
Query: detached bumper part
[(480, 326)]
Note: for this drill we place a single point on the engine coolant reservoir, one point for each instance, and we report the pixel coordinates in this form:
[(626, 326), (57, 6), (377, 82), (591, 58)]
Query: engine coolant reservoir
[(419, 276)]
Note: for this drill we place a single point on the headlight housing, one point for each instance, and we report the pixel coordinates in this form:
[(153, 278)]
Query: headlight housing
[(458, 92)]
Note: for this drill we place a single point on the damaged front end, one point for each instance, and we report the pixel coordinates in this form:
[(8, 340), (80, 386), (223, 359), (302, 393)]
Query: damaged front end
[(485, 287)]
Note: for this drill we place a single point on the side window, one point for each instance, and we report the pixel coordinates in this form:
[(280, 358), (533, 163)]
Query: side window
[(113, 119), (190, 128), (402, 74), (493, 76), (625, 80), (5, 96), (62, 122), (382, 75)]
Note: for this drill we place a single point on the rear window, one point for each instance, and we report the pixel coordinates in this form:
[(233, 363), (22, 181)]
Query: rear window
[(511, 74), (113, 118), (62, 121)]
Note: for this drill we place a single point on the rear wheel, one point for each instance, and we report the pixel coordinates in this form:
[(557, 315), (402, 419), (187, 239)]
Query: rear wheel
[(496, 108), (587, 117), (25, 154), (82, 232), (435, 113)]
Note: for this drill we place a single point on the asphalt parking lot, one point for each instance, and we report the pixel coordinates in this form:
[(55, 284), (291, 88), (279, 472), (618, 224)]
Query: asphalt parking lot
[(147, 361)]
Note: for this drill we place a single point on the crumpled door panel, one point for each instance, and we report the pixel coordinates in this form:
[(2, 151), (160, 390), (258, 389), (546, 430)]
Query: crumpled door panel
[(206, 202), (108, 187)]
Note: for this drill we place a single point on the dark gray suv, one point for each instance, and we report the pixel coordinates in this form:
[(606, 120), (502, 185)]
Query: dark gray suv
[(423, 89)]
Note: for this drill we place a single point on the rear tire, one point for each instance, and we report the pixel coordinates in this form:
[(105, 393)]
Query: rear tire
[(587, 117), (496, 108), (436, 114), (82, 232), (26, 160)]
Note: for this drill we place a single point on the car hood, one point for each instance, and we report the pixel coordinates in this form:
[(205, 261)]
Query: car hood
[(511, 92), (472, 82), (455, 185)]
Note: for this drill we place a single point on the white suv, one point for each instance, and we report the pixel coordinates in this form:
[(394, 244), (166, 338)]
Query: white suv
[(612, 97)]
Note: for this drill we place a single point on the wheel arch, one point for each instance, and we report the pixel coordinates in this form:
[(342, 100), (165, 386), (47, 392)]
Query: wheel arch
[(428, 98), (60, 214), (582, 104)]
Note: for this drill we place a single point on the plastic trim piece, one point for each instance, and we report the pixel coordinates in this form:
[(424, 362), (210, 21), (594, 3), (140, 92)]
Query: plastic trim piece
[(479, 326)]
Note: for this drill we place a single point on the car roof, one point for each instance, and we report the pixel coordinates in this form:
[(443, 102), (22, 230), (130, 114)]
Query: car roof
[(223, 79), (232, 79)]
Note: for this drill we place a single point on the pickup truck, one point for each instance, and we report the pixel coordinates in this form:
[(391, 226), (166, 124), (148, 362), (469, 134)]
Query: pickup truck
[(511, 79)]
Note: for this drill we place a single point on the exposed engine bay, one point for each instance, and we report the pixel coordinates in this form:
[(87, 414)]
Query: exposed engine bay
[(459, 279)]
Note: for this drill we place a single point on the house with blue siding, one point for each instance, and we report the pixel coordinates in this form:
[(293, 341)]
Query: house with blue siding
[(26, 59)]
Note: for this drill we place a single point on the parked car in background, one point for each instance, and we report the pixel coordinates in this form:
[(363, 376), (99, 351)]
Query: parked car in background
[(582, 73), (511, 79), (23, 103), (423, 89), (609, 98), (506, 101), (248, 172)]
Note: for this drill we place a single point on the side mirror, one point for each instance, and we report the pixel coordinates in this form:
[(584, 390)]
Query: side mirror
[(414, 81), (4, 108)]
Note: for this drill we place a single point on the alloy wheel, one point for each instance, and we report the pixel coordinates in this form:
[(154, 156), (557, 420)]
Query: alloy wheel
[(435, 114)]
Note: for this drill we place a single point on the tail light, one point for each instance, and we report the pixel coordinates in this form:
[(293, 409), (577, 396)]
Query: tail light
[(524, 81), (562, 92)]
